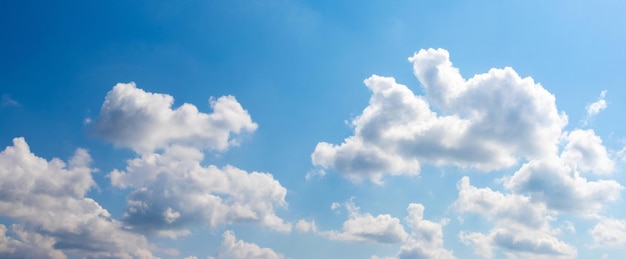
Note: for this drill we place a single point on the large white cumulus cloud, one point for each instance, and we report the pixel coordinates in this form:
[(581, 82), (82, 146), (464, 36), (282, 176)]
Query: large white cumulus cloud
[(173, 190), (487, 122), (143, 121), (232, 248), (521, 227), (48, 199)]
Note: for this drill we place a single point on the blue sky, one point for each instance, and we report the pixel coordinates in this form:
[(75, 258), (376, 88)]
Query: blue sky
[(295, 129)]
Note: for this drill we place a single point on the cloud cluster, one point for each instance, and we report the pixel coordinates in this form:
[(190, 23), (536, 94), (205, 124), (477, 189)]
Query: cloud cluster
[(143, 121), (609, 232), (363, 227), (521, 226), (424, 241), (541, 190), (171, 190), (55, 218), (487, 122), (491, 121), (232, 248)]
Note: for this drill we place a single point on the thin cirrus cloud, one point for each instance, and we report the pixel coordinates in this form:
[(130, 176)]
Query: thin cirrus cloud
[(487, 122)]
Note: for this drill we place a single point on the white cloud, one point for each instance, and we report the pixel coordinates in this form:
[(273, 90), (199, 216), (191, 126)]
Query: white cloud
[(562, 188), (487, 122), (143, 121), (310, 175), (522, 227), (519, 241), (596, 107), (426, 239), (498, 206), (232, 248), (584, 152), (48, 199), (364, 227), (304, 226), (609, 232), (173, 190), (27, 245)]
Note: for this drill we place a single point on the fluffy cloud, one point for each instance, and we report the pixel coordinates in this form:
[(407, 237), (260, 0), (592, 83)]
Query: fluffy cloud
[(562, 188), (487, 122), (596, 107), (173, 190), (609, 232), (522, 227), (363, 227), (426, 239), (584, 152), (232, 248), (170, 188), (520, 241), (143, 121), (48, 199), (498, 206), (27, 245)]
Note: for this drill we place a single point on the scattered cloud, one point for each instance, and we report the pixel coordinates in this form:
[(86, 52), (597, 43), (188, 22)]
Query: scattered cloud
[(487, 122), (145, 122), (609, 232), (310, 175), (522, 227), (562, 188), (27, 244), (7, 101), (47, 199), (584, 152), (363, 227), (426, 238), (596, 107), (173, 190), (518, 241), (232, 248)]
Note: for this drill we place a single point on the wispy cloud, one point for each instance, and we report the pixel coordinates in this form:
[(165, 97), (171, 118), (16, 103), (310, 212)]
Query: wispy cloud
[(594, 108), (7, 101)]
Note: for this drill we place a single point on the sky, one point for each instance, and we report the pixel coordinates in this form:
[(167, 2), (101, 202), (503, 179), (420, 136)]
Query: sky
[(312, 129)]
